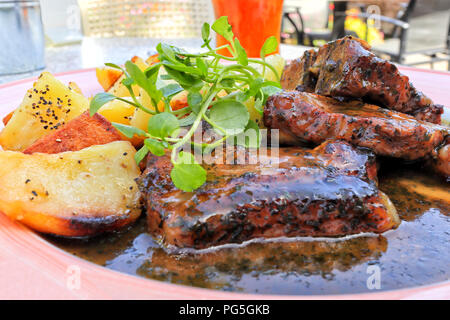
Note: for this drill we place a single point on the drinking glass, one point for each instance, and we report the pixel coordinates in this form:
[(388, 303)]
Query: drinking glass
[(253, 21)]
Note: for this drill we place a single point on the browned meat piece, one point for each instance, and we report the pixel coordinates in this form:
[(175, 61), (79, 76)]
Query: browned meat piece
[(328, 191), (297, 73), (347, 68), (308, 117)]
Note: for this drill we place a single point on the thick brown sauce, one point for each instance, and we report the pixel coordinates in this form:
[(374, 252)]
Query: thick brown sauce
[(417, 253)]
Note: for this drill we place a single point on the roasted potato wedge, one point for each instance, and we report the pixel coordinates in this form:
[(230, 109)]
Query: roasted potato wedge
[(120, 112), (117, 111), (107, 76), (73, 194), (46, 107), (79, 133), (140, 118)]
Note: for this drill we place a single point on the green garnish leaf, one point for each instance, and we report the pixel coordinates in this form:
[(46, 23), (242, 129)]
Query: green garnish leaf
[(194, 101), (163, 124), (186, 173), (230, 115), (270, 90), (142, 81), (166, 51), (156, 147), (140, 154), (201, 64), (222, 27), (128, 82), (152, 71), (228, 82), (241, 54), (206, 29), (215, 93), (251, 137), (171, 89), (269, 46), (113, 65), (188, 120), (184, 79), (259, 105), (129, 131), (99, 100)]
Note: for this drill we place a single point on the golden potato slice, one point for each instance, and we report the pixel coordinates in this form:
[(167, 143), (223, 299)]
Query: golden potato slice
[(120, 112), (74, 194), (107, 76), (140, 118), (46, 107), (117, 111)]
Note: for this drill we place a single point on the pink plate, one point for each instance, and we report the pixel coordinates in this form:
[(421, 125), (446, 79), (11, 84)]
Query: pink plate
[(32, 268)]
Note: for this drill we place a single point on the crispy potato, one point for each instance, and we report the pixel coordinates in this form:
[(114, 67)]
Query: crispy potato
[(140, 62), (140, 118), (153, 59), (71, 194), (46, 107), (107, 76), (79, 133), (120, 112), (179, 101), (117, 111)]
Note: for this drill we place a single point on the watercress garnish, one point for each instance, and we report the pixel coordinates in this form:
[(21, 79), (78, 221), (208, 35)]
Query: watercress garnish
[(216, 93)]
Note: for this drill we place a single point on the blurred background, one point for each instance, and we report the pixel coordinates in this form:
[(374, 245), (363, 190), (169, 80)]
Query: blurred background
[(63, 35)]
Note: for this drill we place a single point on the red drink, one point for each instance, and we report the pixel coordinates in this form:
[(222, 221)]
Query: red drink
[(253, 21)]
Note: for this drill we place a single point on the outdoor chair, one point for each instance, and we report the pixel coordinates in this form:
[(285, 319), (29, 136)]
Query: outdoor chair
[(427, 34)]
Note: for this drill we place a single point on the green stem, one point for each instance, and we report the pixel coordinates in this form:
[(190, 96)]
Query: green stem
[(136, 104), (214, 125), (268, 65), (210, 96)]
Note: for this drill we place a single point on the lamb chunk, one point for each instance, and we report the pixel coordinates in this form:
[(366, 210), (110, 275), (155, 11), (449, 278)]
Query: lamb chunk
[(308, 117), (347, 68), (328, 191)]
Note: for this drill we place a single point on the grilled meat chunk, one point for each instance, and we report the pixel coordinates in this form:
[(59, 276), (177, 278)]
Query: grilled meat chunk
[(297, 73), (328, 191), (347, 68), (308, 117)]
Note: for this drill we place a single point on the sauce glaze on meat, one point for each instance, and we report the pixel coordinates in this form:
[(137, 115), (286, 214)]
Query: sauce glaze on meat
[(347, 68), (328, 191)]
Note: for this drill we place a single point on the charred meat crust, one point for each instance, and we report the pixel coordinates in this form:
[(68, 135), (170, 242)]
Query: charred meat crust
[(327, 191), (347, 68), (309, 117)]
